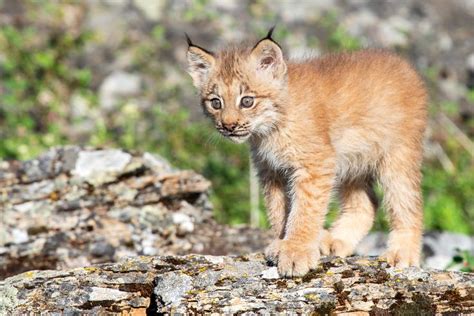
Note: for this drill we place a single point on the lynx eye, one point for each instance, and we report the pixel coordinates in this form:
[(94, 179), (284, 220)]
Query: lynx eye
[(246, 102), (216, 104)]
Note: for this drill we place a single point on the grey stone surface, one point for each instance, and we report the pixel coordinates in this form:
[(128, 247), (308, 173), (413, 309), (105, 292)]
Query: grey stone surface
[(153, 10), (439, 248), (100, 294), (171, 287), (117, 87), (101, 166), (80, 206), (203, 285)]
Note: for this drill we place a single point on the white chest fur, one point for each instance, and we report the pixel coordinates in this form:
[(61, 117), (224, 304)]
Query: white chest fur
[(272, 155)]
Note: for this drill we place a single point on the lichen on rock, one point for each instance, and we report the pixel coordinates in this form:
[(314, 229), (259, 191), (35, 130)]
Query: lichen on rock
[(203, 284), (73, 207)]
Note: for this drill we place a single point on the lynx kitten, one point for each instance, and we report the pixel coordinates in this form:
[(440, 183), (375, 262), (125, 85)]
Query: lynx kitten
[(318, 126)]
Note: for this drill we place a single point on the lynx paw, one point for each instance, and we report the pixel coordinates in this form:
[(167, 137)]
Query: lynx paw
[(271, 253), (402, 258), (334, 246), (293, 258)]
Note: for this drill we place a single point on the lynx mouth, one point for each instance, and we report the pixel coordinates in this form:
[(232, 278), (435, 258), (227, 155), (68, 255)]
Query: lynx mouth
[(238, 137)]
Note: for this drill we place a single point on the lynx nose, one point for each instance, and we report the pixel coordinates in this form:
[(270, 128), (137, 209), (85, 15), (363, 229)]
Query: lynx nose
[(230, 127)]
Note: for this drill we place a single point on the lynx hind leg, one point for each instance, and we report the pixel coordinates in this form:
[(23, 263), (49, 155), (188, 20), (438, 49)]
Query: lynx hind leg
[(400, 178), (354, 222)]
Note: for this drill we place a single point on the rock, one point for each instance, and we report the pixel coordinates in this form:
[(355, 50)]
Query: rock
[(389, 35), (156, 163), (171, 287), (439, 248), (19, 236), (443, 247), (451, 88), (101, 166), (307, 10), (470, 71), (184, 222), (100, 294), (152, 10), (358, 22), (470, 62), (74, 206), (372, 245), (102, 249), (116, 2), (270, 273), (193, 284), (388, 32), (118, 86)]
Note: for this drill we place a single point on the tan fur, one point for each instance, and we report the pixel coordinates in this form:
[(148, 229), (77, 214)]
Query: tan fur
[(321, 126)]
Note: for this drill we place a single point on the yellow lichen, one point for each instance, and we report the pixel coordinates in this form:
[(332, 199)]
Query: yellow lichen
[(30, 274), (311, 297), (274, 296), (203, 269)]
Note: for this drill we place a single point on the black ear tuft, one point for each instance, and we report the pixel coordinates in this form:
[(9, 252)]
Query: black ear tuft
[(268, 37), (270, 33), (191, 44), (188, 39)]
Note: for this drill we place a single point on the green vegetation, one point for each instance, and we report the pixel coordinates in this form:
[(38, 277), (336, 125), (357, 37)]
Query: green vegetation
[(36, 80), (463, 260), (337, 37), (39, 78)]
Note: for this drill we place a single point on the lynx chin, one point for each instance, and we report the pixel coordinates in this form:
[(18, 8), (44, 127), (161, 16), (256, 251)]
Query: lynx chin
[(332, 125)]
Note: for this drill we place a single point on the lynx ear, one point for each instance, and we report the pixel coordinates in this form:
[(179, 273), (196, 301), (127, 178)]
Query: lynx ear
[(200, 63), (268, 56)]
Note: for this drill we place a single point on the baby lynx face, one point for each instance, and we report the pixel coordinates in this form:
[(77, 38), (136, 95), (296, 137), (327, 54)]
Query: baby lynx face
[(240, 86), (336, 123)]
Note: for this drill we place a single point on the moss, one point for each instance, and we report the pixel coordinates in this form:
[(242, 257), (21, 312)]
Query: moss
[(451, 296), (382, 276), (313, 274), (223, 281), (242, 258), (421, 305), (339, 286), (348, 273), (175, 261), (325, 308)]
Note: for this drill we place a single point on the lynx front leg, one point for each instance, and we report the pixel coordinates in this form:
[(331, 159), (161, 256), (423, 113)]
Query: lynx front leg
[(276, 203), (298, 252), (275, 200)]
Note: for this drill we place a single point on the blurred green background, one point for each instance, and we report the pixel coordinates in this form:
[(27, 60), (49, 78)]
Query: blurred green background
[(56, 58)]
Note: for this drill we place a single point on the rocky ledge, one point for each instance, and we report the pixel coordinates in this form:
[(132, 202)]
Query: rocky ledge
[(73, 207), (197, 284)]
